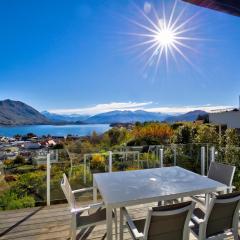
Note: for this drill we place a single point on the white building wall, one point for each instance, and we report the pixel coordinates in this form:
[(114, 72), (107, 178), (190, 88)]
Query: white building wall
[(231, 119)]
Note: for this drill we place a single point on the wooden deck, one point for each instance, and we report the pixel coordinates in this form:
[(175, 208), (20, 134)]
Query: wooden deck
[(52, 223)]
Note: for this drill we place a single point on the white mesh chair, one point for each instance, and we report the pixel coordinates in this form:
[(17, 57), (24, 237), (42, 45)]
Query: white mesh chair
[(169, 222), (221, 215), (78, 219), (222, 173)]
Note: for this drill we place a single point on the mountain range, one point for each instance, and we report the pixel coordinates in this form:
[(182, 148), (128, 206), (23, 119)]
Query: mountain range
[(19, 113), (186, 117), (64, 118)]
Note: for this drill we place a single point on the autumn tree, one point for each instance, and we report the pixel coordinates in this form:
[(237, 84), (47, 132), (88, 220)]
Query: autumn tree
[(157, 133)]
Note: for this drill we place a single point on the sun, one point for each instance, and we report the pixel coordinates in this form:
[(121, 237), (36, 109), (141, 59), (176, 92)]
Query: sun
[(164, 35)]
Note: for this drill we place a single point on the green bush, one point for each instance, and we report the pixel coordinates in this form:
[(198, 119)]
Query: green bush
[(10, 200), (24, 169), (29, 183), (19, 160)]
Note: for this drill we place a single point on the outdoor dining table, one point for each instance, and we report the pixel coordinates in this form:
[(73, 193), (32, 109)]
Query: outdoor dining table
[(122, 189)]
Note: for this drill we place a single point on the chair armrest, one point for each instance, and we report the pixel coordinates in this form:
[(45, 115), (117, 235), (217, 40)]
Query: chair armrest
[(196, 219), (96, 205), (231, 187), (228, 188), (131, 224), (78, 210), (91, 206), (214, 194), (82, 190)]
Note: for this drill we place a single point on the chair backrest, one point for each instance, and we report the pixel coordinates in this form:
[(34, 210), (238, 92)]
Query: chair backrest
[(222, 213), (67, 190), (169, 222), (221, 172)]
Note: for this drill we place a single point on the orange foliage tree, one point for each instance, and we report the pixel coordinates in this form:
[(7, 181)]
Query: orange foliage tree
[(161, 132)]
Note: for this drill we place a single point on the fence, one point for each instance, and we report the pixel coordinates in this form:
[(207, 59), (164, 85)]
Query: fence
[(204, 162), (81, 166)]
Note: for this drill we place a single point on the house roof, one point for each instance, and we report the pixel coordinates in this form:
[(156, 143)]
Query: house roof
[(227, 6)]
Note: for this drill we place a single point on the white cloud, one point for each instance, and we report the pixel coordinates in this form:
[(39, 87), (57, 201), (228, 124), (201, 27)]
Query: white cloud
[(185, 109), (101, 108), (133, 106), (147, 7)]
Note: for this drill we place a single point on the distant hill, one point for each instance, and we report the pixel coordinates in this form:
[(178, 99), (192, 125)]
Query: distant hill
[(19, 113), (64, 118), (126, 117), (186, 117)]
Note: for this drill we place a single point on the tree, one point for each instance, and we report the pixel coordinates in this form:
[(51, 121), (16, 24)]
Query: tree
[(95, 139), (157, 133), (206, 134), (232, 153), (117, 136), (183, 135), (231, 137)]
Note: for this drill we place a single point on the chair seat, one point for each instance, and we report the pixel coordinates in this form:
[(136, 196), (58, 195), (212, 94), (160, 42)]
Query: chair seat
[(92, 219), (139, 223)]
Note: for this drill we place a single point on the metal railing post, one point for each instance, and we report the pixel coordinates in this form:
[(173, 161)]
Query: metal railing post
[(110, 161), (56, 155), (138, 159), (212, 150), (175, 155), (84, 168), (48, 179), (161, 157), (203, 161)]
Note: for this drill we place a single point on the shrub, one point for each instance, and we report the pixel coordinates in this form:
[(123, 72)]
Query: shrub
[(42, 167), (98, 162), (132, 168), (8, 162), (10, 200), (58, 146), (19, 160), (29, 183), (24, 169), (10, 178)]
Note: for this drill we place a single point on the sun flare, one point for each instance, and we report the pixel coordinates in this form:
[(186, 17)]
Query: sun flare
[(163, 35)]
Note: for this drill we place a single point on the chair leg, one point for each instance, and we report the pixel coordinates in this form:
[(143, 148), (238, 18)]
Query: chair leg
[(235, 234), (116, 225), (73, 227)]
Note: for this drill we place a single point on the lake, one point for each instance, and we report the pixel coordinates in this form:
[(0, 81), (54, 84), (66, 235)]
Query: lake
[(63, 130)]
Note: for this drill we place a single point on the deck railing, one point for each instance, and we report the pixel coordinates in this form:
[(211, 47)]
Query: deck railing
[(42, 176)]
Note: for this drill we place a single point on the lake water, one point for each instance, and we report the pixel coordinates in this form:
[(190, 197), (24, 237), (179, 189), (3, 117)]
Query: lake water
[(39, 130)]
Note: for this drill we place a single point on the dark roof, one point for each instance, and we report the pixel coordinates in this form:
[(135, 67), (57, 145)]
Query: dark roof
[(227, 6)]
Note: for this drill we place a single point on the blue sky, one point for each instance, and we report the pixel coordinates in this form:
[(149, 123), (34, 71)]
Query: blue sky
[(60, 55)]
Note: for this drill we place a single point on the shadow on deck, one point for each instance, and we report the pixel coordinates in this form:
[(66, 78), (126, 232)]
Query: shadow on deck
[(52, 223)]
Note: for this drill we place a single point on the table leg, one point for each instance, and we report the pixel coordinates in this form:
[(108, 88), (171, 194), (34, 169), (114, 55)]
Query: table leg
[(121, 224), (94, 192), (109, 222), (207, 200)]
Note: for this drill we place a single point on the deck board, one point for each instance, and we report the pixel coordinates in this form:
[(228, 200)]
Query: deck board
[(53, 223)]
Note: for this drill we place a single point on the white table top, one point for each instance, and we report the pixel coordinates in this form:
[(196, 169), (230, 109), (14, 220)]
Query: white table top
[(141, 186)]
